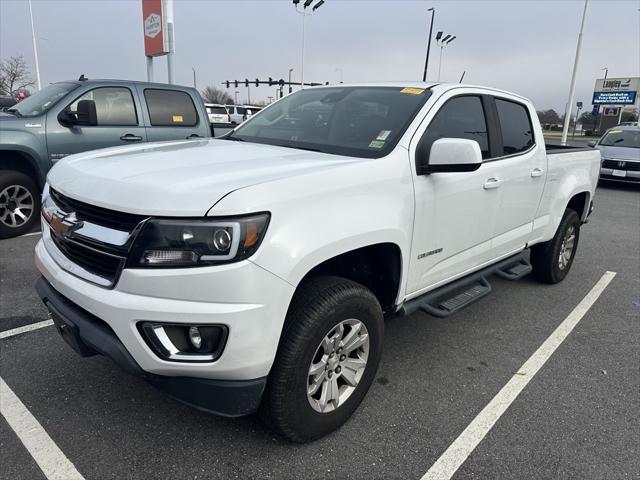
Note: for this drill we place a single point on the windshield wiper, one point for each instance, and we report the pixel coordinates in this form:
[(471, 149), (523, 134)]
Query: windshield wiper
[(14, 111), (228, 136)]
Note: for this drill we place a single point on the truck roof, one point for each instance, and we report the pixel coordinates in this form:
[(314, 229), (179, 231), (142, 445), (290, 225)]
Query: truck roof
[(425, 85), (103, 81)]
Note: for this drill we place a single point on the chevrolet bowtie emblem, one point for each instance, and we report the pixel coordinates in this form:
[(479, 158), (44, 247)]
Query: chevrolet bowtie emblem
[(65, 224)]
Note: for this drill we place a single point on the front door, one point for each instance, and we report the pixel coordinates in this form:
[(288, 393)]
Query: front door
[(455, 212), (119, 123)]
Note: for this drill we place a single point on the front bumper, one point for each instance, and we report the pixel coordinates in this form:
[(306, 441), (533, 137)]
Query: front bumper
[(249, 300), (88, 336), (622, 175)]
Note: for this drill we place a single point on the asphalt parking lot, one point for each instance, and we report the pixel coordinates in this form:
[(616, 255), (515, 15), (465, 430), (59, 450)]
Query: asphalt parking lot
[(577, 418)]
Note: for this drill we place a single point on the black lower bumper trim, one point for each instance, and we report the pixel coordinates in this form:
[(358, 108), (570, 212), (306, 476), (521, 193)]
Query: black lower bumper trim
[(88, 335)]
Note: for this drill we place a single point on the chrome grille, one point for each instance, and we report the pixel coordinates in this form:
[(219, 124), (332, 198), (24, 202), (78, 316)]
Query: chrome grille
[(626, 165)]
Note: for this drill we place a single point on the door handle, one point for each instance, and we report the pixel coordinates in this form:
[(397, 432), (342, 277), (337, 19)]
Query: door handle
[(492, 182), (130, 137), (537, 172), (193, 135)]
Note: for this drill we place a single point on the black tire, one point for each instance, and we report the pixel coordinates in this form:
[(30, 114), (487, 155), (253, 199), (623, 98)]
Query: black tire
[(14, 226), (545, 257), (318, 306)]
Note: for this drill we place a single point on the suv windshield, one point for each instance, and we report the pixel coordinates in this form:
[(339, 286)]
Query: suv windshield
[(621, 138), (358, 121), (41, 101), (217, 110)]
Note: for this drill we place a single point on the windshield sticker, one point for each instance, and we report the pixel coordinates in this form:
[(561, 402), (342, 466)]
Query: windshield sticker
[(376, 144), (177, 119), (412, 91), (383, 135)]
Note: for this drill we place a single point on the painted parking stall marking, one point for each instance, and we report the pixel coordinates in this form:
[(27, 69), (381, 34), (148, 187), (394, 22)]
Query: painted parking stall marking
[(449, 462), (51, 460), (25, 329)]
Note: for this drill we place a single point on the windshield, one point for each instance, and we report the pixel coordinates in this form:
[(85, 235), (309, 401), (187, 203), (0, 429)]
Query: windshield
[(621, 138), (41, 101), (358, 121)]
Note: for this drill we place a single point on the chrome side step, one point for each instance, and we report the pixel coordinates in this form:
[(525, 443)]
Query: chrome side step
[(445, 301)]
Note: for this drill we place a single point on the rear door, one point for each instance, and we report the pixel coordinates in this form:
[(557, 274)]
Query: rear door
[(119, 123), (171, 115), (522, 173)]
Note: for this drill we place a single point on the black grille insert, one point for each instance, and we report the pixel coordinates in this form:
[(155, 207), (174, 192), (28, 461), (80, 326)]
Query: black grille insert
[(628, 165), (98, 215), (96, 262)]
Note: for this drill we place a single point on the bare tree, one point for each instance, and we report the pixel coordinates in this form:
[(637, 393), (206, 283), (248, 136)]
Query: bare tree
[(214, 95), (14, 75)]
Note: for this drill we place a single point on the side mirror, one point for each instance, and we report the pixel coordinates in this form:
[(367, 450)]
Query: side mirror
[(449, 155), (86, 114), (592, 144)]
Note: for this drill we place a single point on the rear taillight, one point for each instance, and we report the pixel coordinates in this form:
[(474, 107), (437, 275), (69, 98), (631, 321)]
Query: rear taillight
[(228, 118)]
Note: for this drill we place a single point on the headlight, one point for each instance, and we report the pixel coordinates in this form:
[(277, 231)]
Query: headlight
[(199, 242)]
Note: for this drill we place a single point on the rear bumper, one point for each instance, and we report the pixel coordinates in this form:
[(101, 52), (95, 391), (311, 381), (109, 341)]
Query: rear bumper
[(88, 336)]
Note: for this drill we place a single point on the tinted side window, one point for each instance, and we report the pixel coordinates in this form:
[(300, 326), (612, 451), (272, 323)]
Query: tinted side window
[(241, 110), (460, 117), (170, 108), (517, 132), (114, 105)]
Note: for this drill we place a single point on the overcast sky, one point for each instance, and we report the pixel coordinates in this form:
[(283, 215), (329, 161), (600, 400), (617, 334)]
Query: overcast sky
[(524, 46)]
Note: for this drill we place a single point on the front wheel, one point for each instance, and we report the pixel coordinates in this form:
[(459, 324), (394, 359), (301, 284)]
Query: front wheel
[(552, 260), (19, 203), (327, 359)]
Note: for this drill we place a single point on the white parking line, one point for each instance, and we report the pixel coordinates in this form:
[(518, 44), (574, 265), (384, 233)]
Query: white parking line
[(26, 328), (53, 463), (461, 448)]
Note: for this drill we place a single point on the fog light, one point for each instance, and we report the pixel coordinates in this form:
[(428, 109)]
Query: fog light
[(195, 338)]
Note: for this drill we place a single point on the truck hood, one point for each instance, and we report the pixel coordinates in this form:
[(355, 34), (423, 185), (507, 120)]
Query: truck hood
[(619, 153), (184, 178)]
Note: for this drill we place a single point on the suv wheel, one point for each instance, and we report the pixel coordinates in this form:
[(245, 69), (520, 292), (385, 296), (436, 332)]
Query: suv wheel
[(327, 359), (552, 260), (19, 203)]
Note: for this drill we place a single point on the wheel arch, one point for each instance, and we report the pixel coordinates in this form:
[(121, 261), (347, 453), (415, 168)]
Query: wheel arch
[(579, 203), (23, 162), (377, 266)]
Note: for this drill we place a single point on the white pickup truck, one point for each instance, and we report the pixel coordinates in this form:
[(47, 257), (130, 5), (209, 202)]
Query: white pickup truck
[(253, 272)]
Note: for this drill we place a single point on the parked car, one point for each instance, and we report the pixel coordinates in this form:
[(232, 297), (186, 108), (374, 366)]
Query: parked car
[(255, 270), (620, 151), (70, 117), (7, 102), (236, 113), (217, 113), (249, 111)]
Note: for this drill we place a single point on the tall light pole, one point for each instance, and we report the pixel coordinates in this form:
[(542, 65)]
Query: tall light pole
[(341, 74), (426, 62), (304, 14), (35, 47), (168, 11), (290, 72), (443, 42), (572, 88), (235, 94), (194, 76), (606, 71)]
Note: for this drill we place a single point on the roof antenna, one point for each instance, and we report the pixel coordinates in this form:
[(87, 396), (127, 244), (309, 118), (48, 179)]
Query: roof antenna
[(82, 78), (462, 76)]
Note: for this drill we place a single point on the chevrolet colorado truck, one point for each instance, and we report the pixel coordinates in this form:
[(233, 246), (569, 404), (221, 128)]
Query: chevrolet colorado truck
[(253, 272), (75, 116)]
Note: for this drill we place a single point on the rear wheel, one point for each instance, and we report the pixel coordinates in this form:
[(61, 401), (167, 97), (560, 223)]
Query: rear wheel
[(552, 260), (327, 360), (19, 203)]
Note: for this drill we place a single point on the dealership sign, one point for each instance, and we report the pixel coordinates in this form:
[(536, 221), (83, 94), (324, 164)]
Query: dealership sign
[(155, 28), (614, 98), (616, 91)]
